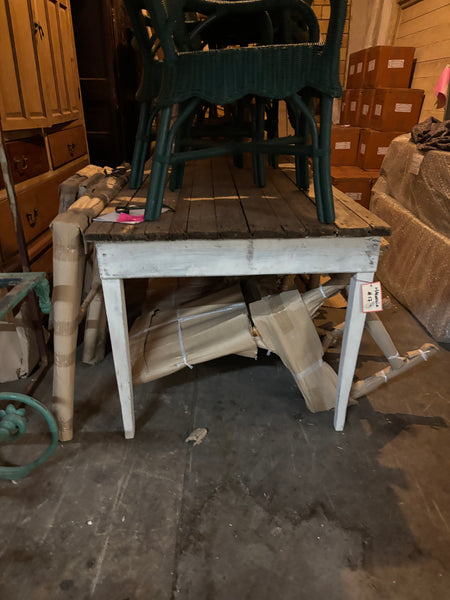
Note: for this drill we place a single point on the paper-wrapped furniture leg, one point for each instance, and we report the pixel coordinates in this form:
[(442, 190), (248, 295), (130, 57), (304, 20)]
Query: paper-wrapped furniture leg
[(69, 262), (68, 273), (95, 329)]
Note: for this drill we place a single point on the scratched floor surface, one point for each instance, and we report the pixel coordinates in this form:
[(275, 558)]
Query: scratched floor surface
[(273, 504)]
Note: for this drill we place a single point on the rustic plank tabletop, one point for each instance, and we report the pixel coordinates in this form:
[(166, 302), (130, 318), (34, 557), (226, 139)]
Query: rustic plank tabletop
[(220, 201)]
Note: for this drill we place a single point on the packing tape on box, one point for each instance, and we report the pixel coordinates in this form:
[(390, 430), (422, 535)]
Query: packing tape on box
[(181, 319), (309, 370), (180, 337)]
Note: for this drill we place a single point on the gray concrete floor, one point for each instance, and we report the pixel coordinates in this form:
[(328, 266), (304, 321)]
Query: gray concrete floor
[(273, 504)]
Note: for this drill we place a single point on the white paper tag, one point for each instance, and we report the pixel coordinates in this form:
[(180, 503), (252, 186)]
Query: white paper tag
[(382, 150), (362, 149), (403, 108), (342, 145), (416, 163), (371, 65), (365, 109), (378, 109), (353, 106), (359, 67), (396, 63), (354, 195), (352, 69), (372, 299), (343, 107)]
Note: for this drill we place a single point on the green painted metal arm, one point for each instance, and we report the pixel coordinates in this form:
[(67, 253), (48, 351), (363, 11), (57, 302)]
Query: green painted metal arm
[(12, 427), (21, 284)]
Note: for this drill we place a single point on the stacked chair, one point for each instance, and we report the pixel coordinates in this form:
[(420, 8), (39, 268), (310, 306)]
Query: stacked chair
[(201, 63)]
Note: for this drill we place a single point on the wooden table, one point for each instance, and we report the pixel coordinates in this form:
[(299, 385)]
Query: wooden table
[(223, 225)]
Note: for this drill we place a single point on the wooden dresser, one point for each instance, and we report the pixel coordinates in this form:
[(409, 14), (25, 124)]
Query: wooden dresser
[(42, 120)]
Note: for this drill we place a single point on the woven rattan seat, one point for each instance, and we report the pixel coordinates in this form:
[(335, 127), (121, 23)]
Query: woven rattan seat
[(292, 72)]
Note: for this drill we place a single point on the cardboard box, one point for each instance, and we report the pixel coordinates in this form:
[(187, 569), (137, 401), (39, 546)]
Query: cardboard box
[(351, 107), (285, 326), (344, 144), (366, 101), (356, 69), (167, 340), (18, 339), (373, 147), (354, 182), (388, 67), (395, 109)]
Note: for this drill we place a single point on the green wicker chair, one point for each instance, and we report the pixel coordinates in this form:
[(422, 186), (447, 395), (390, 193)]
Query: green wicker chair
[(291, 72), (148, 90), (216, 33)]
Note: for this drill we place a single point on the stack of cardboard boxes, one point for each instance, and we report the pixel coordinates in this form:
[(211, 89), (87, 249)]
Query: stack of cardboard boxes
[(377, 106)]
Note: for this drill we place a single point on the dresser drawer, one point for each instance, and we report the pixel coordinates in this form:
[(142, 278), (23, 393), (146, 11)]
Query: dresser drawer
[(27, 158), (38, 205), (66, 145)]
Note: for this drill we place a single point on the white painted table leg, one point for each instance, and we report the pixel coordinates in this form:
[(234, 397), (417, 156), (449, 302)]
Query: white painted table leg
[(354, 325), (116, 312)]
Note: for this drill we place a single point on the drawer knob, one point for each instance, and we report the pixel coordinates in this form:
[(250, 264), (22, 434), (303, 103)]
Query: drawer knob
[(71, 148), (21, 164)]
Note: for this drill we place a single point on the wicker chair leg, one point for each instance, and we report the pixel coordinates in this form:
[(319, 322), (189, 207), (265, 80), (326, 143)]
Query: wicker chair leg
[(272, 109), (259, 174), (162, 157), (177, 174), (301, 108), (239, 117), (326, 108), (140, 147), (160, 167), (301, 161)]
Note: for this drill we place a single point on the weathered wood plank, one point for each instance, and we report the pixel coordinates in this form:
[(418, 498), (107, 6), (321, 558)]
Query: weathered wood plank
[(178, 224), (377, 225), (302, 206), (202, 212), (347, 220), (231, 221), (261, 219), (290, 223)]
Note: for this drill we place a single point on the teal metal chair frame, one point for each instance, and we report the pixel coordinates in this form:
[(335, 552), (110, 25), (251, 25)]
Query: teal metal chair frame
[(12, 420), (291, 72)]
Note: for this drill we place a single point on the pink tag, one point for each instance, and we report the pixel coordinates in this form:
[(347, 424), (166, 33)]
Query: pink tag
[(126, 218)]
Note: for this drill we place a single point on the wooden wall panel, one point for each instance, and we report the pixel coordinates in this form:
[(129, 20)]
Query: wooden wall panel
[(426, 26)]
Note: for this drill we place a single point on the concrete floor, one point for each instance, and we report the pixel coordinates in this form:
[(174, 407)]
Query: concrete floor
[(274, 504)]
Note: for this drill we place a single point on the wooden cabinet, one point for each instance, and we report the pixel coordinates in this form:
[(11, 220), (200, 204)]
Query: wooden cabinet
[(42, 120), (39, 84)]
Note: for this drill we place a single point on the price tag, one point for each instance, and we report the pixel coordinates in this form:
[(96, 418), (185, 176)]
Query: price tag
[(372, 299), (415, 164)]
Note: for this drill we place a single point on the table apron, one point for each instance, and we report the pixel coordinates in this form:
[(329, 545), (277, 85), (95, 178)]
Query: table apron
[(198, 258)]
